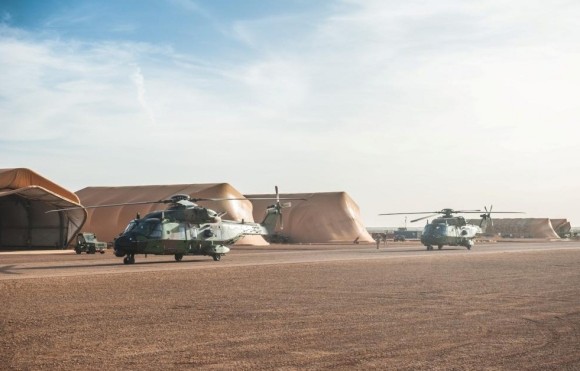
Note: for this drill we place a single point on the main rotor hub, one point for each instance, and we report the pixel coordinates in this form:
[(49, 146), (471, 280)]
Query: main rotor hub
[(448, 213), (181, 197)]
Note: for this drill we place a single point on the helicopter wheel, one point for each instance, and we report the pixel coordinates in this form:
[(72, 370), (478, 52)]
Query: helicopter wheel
[(439, 247), (178, 257), (429, 247), (129, 259), (126, 260), (217, 257)]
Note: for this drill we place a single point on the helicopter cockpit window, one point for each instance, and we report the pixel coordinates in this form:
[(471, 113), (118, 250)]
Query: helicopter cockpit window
[(147, 227), (130, 227)]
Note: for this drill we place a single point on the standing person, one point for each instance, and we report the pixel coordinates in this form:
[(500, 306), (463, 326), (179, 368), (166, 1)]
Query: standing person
[(378, 241)]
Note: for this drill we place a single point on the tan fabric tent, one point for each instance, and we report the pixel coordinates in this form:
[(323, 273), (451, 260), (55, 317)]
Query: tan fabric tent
[(520, 227), (108, 222), (323, 218), (25, 197)]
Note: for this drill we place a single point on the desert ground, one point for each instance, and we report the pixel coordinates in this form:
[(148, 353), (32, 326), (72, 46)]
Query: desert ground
[(502, 306)]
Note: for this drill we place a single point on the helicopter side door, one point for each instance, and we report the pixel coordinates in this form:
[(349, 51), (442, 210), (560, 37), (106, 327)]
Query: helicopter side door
[(175, 238)]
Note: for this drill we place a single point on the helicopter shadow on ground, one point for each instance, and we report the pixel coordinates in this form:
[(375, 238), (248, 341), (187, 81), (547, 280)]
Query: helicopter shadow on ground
[(414, 250), (96, 265), (7, 269)]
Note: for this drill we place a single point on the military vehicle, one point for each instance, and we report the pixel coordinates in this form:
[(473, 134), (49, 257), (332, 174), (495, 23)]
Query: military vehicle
[(87, 242), (399, 237), (449, 230), (186, 228)]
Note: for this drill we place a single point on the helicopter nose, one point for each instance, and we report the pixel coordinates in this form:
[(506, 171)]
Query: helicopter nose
[(122, 245), (123, 242)]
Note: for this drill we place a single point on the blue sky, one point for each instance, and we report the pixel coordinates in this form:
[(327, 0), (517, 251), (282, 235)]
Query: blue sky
[(406, 106)]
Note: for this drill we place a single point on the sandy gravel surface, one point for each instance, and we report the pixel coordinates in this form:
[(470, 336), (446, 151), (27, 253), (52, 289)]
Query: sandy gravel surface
[(457, 311)]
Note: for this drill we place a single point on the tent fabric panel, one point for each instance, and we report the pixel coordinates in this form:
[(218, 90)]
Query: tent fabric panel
[(520, 227), (323, 218), (16, 178)]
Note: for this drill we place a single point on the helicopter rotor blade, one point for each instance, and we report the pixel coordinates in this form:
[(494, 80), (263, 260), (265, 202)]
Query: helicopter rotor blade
[(184, 200), (281, 222), (417, 212), (487, 215), (425, 217), (270, 198), (508, 212), (276, 197), (110, 205), (197, 199)]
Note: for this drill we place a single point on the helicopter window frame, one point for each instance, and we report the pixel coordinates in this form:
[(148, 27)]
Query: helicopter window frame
[(157, 231), (145, 227), (130, 226)]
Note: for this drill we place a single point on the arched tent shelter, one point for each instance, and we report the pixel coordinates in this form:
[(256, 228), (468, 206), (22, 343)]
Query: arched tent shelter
[(520, 227), (25, 197), (321, 218), (108, 222)]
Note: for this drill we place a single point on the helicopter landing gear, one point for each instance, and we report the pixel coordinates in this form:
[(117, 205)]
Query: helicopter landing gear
[(469, 245), (429, 247), (178, 257), (129, 259), (216, 257), (439, 247)]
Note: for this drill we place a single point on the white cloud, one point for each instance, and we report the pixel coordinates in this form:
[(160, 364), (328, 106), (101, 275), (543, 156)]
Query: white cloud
[(414, 101)]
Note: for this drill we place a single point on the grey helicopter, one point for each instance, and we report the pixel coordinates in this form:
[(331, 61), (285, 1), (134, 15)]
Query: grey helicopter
[(185, 228), (449, 230)]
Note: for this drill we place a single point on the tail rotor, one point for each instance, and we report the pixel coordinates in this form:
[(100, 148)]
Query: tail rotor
[(486, 217), (279, 206)]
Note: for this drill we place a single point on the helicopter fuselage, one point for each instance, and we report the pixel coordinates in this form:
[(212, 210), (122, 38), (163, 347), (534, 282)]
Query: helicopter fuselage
[(449, 232), (452, 230), (181, 232)]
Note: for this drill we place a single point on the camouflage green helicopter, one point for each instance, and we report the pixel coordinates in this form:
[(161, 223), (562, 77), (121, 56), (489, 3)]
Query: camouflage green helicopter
[(186, 228), (452, 230)]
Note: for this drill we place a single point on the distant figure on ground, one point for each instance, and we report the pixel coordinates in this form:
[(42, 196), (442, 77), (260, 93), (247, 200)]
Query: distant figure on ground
[(356, 240)]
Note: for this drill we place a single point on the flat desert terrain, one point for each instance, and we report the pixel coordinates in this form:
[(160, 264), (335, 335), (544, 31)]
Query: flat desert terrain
[(504, 306)]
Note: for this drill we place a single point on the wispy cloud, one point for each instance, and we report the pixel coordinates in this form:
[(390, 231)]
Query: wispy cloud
[(369, 90), (139, 81)]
